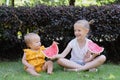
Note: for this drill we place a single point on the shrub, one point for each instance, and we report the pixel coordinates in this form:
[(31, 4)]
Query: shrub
[(56, 23)]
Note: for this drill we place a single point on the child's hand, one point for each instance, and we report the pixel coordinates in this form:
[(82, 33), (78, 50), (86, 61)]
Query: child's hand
[(88, 54), (56, 57), (53, 58)]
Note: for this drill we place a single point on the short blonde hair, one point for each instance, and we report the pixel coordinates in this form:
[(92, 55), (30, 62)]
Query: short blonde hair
[(29, 37), (85, 23)]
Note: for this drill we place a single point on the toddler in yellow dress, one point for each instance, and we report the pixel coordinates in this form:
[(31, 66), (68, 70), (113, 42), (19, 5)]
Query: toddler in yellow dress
[(33, 58)]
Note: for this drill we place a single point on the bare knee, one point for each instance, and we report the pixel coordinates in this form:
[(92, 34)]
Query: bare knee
[(47, 65), (60, 60), (102, 58)]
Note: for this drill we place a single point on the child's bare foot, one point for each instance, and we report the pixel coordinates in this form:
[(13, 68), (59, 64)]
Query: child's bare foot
[(35, 74), (50, 73), (93, 70), (32, 72)]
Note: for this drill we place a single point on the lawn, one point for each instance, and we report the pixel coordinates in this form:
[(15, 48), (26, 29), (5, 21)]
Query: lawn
[(14, 71)]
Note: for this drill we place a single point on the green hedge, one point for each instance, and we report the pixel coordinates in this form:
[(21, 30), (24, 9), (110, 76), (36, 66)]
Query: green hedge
[(56, 23)]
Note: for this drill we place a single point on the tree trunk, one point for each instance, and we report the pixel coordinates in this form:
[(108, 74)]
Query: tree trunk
[(12, 3), (72, 2)]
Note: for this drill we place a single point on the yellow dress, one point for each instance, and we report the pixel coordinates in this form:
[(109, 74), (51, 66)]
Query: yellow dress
[(35, 58)]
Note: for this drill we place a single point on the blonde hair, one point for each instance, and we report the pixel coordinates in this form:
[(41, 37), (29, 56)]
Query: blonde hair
[(29, 37), (85, 23)]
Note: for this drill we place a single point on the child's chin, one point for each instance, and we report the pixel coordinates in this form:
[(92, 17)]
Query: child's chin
[(78, 37), (37, 48)]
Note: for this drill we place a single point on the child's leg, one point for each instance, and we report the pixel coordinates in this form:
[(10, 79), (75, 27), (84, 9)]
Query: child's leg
[(68, 64), (72, 66), (48, 66), (66, 69), (94, 63), (32, 72)]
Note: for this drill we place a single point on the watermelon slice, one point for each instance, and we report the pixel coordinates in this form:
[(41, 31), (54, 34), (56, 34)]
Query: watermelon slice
[(94, 48), (52, 50)]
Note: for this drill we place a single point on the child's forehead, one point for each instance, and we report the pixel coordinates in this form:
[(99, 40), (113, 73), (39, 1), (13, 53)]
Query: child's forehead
[(81, 28), (34, 37)]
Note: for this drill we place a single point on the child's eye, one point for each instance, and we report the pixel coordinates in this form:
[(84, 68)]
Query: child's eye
[(37, 42)]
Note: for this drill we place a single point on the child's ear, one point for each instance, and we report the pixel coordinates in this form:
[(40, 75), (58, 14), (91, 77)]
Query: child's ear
[(87, 30)]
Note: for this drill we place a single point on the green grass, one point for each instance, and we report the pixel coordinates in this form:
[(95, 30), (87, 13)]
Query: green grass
[(14, 71)]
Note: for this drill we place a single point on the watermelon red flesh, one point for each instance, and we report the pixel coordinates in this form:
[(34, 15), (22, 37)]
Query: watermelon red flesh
[(51, 51), (94, 48)]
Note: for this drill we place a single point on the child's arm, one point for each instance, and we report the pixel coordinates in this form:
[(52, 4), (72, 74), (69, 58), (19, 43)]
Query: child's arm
[(63, 54), (25, 62)]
